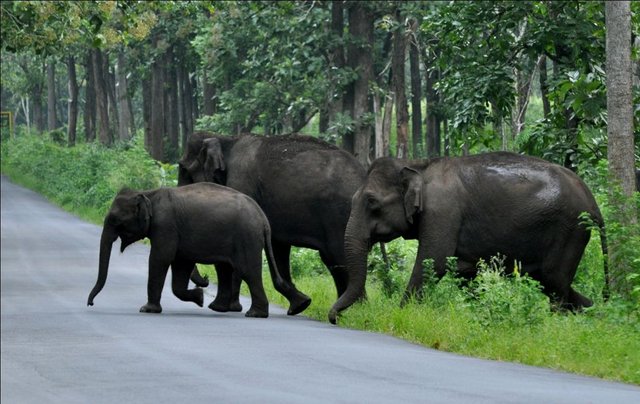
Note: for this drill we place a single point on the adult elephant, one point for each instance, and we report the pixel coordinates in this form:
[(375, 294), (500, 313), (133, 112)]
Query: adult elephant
[(474, 207), (303, 185)]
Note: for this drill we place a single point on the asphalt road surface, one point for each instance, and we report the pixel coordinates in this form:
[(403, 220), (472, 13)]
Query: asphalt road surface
[(55, 349)]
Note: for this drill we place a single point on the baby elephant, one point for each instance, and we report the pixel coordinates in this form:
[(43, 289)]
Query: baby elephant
[(200, 223)]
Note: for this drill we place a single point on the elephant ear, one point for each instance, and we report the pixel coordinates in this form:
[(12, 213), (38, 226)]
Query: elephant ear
[(145, 212), (211, 154), (412, 188)]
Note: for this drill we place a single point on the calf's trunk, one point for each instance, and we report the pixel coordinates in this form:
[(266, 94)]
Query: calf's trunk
[(106, 242)]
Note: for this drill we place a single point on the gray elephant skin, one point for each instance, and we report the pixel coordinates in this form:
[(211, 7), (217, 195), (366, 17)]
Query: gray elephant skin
[(200, 223), (474, 207), (302, 184)]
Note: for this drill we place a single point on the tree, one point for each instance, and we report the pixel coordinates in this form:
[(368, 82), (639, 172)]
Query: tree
[(361, 27), (402, 113), (620, 123)]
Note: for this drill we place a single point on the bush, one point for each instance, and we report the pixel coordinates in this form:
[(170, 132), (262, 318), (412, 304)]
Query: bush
[(84, 177)]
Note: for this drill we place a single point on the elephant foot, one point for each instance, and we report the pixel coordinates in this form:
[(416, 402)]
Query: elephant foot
[(198, 279), (299, 304), (199, 298), (257, 313), (151, 308), (235, 306), (219, 307)]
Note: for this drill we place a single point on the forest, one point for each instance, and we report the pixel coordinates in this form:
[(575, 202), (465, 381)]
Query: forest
[(408, 79)]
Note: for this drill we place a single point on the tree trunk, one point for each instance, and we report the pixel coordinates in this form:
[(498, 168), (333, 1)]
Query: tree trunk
[(402, 114), (186, 96), (544, 86), (102, 102), (361, 27), (51, 95), (73, 101), (146, 112), (335, 98), (620, 131), (90, 100), (125, 121), (157, 128), (433, 120), (171, 96), (208, 94), (110, 85), (416, 93)]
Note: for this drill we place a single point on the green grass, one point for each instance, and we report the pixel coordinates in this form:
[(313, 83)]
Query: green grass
[(510, 324), (594, 343)]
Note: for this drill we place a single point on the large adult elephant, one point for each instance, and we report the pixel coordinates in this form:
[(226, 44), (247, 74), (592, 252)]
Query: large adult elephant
[(524, 208), (302, 184)]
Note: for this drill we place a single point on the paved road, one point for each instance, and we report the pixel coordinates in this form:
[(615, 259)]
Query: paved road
[(55, 349)]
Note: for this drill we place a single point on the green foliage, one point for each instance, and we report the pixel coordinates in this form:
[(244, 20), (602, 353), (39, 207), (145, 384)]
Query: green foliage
[(515, 300), (85, 176)]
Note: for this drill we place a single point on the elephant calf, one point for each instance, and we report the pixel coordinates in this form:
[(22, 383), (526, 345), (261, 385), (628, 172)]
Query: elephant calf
[(200, 223)]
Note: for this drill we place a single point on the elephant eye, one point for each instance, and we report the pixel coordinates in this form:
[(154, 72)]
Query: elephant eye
[(373, 203)]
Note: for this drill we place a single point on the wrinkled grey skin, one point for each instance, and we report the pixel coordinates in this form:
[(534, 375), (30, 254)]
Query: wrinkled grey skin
[(524, 208), (200, 223), (302, 184)]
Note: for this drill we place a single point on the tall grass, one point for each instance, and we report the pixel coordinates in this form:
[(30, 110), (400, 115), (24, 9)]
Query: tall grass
[(495, 316)]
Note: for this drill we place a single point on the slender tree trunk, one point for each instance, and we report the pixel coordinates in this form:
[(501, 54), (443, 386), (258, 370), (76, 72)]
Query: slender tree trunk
[(110, 85), (433, 120), (620, 131), (335, 99), (208, 96), (51, 95), (157, 128), (416, 93), (173, 125), (73, 101), (402, 113), (186, 97), (102, 102), (544, 86), (361, 26), (146, 112), (125, 121), (90, 100)]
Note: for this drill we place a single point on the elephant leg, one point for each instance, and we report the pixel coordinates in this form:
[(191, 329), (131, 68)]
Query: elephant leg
[(180, 271), (333, 259), (236, 282), (559, 268), (198, 279), (223, 298), (281, 254), (252, 274), (159, 261), (436, 241)]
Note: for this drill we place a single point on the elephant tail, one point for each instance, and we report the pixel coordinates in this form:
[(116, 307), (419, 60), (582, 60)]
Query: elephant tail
[(298, 301), (276, 277), (605, 258)]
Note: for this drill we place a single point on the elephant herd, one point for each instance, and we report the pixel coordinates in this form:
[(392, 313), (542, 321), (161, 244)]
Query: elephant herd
[(238, 196)]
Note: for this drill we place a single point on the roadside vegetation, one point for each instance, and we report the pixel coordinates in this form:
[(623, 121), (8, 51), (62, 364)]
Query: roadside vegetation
[(495, 316)]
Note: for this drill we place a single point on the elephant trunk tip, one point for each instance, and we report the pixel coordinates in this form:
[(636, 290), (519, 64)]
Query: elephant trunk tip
[(333, 316)]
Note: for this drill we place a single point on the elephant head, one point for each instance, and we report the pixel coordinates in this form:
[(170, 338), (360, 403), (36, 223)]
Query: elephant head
[(204, 161), (129, 218), (382, 209)]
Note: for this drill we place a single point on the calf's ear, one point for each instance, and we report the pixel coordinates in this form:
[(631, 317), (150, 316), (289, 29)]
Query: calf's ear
[(145, 212), (412, 187)]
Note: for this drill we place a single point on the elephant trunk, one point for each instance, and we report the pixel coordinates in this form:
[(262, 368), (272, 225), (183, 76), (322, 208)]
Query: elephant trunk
[(356, 250), (106, 242)]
